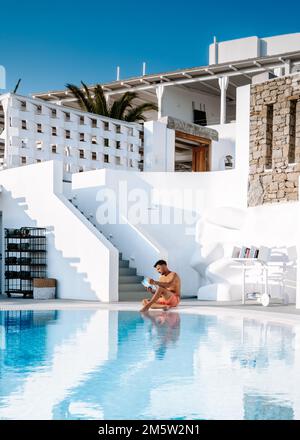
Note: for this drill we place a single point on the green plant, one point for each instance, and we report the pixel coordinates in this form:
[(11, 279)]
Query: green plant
[(122, 108)]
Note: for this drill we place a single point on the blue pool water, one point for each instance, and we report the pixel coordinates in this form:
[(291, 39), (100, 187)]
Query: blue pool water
[(104, 364)]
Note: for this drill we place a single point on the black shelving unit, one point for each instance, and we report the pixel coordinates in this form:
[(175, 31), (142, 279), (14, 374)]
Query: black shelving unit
[(25, 259)]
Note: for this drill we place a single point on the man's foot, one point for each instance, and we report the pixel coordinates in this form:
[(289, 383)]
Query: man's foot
[(145, 303), (145, 308)]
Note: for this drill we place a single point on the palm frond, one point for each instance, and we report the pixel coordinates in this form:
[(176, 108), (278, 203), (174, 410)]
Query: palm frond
[(121, 105), (88, 97), (137, 113), (121, 108), (80, 96), (100, 101)]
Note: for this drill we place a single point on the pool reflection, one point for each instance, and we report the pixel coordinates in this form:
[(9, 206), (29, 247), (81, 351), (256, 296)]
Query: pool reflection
[(105, 364), (164, 330)]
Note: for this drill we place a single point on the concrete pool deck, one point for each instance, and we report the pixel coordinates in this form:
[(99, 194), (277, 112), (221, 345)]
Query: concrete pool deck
[(278, 312)]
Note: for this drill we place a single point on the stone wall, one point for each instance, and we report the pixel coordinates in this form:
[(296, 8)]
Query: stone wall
[(274, 141)]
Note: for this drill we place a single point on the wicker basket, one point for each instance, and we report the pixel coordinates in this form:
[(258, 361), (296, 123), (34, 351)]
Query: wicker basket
[(44, 288)]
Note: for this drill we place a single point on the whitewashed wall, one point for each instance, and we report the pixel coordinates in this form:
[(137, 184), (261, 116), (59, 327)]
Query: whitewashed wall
[(36, 131), (242, 139), (220, 229), (144, 243), (159, 147), (225, 146), (84, 263)]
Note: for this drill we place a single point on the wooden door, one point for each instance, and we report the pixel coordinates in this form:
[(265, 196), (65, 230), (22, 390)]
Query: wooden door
[(200, 159), (201, 150)]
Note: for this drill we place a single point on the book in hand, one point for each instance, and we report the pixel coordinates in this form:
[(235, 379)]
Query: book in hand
[(146, 284)]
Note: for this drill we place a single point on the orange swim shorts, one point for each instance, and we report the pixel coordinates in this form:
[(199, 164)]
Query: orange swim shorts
[(173, 301)]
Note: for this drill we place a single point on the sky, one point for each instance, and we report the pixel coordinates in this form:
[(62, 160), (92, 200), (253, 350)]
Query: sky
[(50, 43)]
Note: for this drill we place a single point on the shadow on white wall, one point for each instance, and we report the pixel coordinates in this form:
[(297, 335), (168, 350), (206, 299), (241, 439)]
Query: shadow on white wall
[(221, 229)]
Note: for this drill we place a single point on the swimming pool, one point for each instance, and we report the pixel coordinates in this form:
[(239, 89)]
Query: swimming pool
[(105, 364)]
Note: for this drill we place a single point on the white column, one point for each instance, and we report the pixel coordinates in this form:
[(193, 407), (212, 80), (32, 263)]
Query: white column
[(107, 99), (287, 67), (297, 281), (159, 93), (223, 84), (159, 147), (279, 71)]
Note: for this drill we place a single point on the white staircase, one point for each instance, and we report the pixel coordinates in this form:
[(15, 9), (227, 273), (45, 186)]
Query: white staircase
[(130, 287)]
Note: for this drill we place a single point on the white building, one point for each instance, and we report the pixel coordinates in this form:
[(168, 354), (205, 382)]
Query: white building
[(197, 145)]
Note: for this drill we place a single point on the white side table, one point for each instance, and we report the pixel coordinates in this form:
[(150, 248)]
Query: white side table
[(249, 263)]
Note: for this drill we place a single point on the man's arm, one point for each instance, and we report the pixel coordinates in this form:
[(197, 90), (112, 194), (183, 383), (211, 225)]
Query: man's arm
[(162, 284)]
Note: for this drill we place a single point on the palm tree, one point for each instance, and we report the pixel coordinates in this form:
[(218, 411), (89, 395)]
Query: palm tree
[(121, 108)]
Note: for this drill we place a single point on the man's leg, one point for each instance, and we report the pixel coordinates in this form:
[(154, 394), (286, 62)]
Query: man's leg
[(146, 301), (153, 303), (157, 305)]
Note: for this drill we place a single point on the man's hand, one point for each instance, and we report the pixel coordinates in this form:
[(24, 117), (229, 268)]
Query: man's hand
[(151, 281)]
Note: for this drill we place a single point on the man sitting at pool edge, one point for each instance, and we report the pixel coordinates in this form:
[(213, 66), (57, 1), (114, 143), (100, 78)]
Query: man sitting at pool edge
[(167, 293)]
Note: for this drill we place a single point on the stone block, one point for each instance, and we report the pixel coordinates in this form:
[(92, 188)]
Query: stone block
[(293, 177), (280, 194), (273, 186)]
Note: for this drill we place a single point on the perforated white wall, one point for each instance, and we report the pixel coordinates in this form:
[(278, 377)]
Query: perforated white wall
[(36, 131)]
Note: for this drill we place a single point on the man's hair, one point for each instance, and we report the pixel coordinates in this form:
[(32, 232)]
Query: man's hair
[(160, 262)]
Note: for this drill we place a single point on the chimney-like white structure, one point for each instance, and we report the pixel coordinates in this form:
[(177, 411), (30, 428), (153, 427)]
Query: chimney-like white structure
[(213, 52), (144, 69)]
